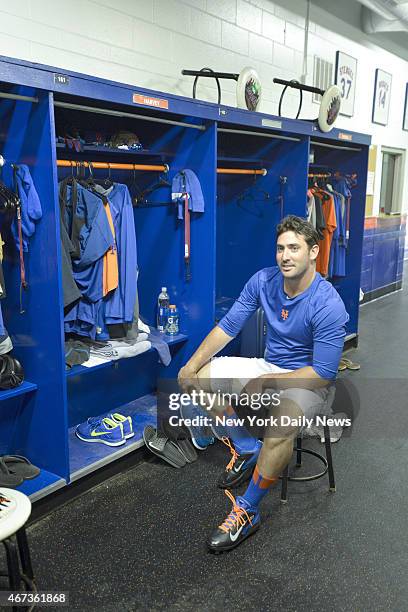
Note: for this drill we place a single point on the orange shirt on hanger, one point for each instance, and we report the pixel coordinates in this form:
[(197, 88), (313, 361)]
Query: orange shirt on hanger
[(110, 259), (329, 213)]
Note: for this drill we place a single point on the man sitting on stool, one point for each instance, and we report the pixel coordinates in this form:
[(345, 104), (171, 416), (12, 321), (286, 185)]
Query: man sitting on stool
[(305, 319)]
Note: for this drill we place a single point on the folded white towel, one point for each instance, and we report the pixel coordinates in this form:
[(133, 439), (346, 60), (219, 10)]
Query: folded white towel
[(121, 351), (143, 327)]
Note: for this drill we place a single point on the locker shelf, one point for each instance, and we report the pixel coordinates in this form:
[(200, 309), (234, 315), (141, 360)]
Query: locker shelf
[(86, 457), (44, 484), (101, 150), (80, 369), (25, 387), (241, 160)]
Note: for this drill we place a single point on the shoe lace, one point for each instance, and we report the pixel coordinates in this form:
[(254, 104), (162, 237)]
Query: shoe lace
[(234, 453), (237, 516)]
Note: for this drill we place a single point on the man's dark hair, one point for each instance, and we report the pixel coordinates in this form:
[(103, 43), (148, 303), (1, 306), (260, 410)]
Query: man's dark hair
[(300, 226)]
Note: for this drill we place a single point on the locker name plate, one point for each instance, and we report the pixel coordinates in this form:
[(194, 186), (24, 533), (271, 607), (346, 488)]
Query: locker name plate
[(149, 101), (271, 123)]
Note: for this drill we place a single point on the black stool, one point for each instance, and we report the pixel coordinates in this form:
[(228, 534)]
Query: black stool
[(15, 508), (327, 462)]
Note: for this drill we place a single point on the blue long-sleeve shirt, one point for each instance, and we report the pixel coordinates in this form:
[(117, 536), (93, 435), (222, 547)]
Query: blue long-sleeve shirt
[(120, 305), (95, 238), (31, 210), (307, 330)]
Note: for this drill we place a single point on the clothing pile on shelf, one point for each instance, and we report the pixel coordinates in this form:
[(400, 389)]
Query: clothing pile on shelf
[(140, 338), (14, 469), (328, 209), (75, 140)]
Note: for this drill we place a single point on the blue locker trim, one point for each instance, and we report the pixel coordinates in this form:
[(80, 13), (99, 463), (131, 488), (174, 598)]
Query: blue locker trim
[(25, 387), (42, 481), (36, 75), (30, 139)]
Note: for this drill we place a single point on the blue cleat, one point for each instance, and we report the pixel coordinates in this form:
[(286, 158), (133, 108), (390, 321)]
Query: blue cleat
[(219, 431), (241, 522), (240, 467), (199, 432)]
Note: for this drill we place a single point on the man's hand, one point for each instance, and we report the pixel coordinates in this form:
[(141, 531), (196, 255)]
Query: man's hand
[(188, 379), (211, 345)]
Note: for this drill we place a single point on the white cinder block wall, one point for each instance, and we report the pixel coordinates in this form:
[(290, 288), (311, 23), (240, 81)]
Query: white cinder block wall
[(148, 42)]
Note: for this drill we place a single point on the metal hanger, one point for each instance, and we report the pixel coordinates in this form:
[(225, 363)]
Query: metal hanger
[(253, 195), (142, 200)]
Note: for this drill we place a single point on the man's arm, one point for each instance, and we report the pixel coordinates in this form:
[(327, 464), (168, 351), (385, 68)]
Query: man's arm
[(210, 346), (227, 329), (329, 331)]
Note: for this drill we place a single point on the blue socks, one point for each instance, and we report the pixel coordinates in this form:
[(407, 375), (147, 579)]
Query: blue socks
[(243, 441), (258, 488)]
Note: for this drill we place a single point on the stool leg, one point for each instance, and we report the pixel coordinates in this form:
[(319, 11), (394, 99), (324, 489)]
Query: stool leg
[(12, 564), (298, 451), (25, 553), (327, 443), (284, 488)]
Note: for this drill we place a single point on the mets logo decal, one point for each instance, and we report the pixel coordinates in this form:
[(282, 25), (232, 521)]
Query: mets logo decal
[(284, 314)]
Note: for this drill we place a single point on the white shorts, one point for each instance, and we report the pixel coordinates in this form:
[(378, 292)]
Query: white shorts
[(236, 372)]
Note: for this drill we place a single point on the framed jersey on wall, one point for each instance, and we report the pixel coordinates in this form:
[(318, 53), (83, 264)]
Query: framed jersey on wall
[(382, 96), (346, 79)]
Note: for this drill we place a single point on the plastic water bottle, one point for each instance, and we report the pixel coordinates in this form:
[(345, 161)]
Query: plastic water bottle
[(172, 327), (163, 302)]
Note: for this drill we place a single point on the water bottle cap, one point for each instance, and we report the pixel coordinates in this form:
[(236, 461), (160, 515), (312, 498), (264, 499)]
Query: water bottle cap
[(164, 289)]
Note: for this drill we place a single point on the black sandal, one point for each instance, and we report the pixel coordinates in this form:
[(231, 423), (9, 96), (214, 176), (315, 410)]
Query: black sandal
[(21, 466), (163, 447), (7, 479), (181, 437)]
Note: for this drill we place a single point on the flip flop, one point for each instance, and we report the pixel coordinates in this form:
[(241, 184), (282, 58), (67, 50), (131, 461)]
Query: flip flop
[(159, 444), (6, 478), (350, 365), (21, 466), (181, 437)]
